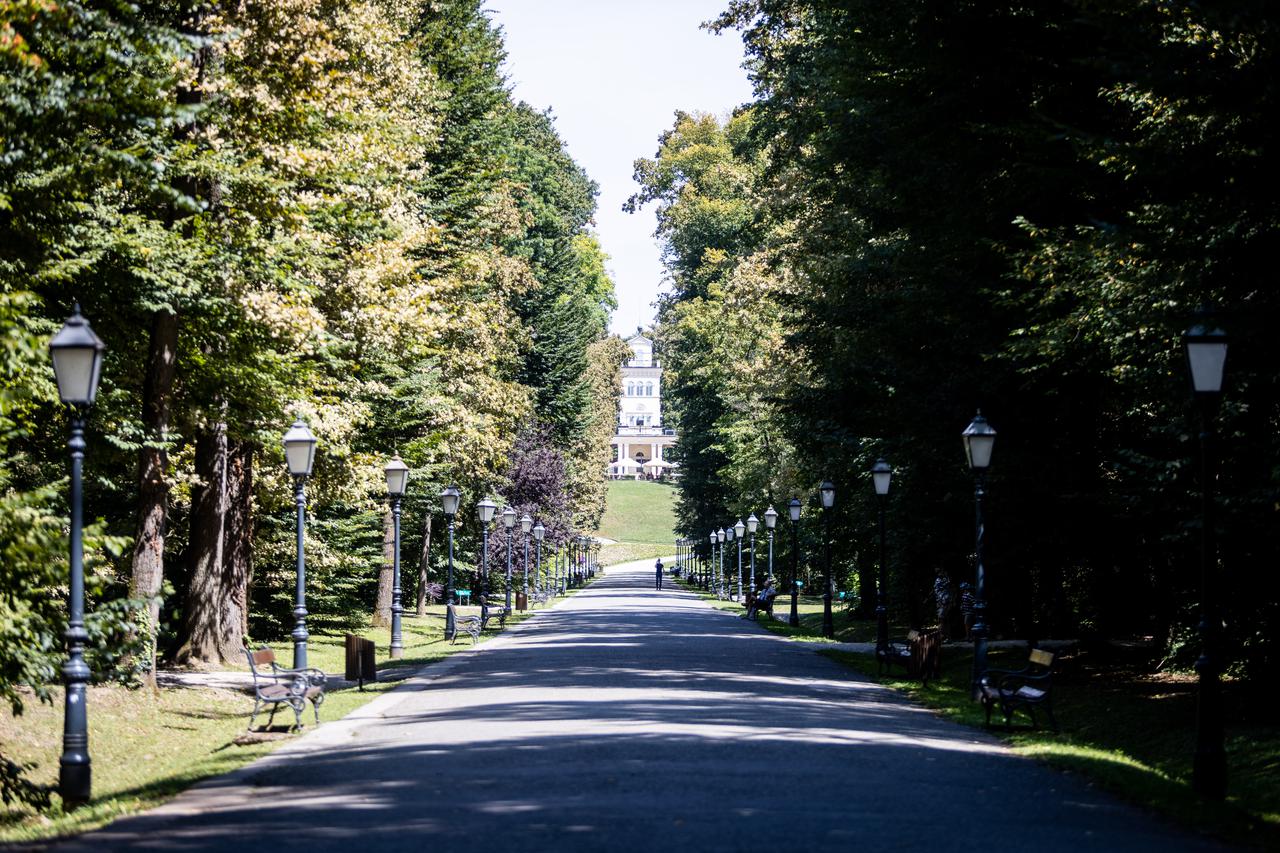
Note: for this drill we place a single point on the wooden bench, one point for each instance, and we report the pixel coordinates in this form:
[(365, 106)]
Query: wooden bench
[(1028, 688), (465, 625), (292, 687), (920, 656), (755, 606)]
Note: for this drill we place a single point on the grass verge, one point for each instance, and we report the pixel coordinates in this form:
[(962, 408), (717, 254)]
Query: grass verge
[(147, 747)]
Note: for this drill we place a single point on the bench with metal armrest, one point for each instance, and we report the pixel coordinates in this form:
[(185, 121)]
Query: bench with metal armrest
[(1026, 688), (292, 687)]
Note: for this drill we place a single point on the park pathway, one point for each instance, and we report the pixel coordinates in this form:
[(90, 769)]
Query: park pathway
[(626, 719)]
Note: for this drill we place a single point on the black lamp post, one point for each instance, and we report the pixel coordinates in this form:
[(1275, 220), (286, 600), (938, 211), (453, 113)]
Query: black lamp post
[(449, 501), (979, 440), (793, 507), (299, 454), (881, 473), (526, 526), (397, 481), (509, 522), (711, 562), (77, 355), (738, 530), (770, 519), (752, 524), (828, 495), (485, 510), (539, 532), (1206, 352), (721, 535)]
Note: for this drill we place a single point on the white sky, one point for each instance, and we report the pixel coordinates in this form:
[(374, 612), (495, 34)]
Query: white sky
[(614, 72)]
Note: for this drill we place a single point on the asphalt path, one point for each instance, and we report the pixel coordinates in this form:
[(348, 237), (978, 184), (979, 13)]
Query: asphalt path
[(626, 719)]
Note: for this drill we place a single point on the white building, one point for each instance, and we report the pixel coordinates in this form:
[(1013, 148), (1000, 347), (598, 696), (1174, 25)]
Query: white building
[(640, 435)]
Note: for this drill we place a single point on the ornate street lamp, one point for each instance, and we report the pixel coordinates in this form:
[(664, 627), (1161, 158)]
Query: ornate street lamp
[(509, 522), (752, 524), (397, 474), (538, 533), (979, 440), (449, 499), (1206, 352), (77, 355), (299, 454), (485, 510), (711, 561), (738, 530), (828, 494), (526, 525), (721, 535), (881, 473), (770, 520), (793, 507)]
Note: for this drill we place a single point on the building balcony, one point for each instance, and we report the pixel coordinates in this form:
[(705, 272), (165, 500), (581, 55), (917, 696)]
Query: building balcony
[(643, 431)]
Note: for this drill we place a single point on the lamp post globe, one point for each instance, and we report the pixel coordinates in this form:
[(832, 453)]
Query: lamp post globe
[(397, 474), (449, 499), (881, 474), (77, 354), (299, 454), (1205, 348), (979, 442), (793, 509)]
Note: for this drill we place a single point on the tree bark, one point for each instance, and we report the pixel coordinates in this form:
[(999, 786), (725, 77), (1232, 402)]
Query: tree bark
[(424, 564), (208, 517), (866, 589), (147, 570), (237, 551), (382, 608)]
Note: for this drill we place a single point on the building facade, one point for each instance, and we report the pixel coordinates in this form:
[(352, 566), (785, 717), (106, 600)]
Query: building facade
[(640, 435)]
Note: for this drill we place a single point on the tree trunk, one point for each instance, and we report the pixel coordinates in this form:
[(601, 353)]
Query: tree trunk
[(208, 517), (866, 589), (382, 608), (147, 571), (424, 564), (237, 551)]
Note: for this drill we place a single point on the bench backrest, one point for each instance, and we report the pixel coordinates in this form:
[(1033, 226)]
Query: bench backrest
[(262, 657)]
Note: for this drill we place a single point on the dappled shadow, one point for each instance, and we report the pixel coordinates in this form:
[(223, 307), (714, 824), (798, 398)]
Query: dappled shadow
[(629, 721)]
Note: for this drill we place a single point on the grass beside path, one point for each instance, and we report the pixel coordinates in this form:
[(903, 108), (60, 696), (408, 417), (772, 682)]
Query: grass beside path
[(640, 518), (1124, 726), (147, 747)]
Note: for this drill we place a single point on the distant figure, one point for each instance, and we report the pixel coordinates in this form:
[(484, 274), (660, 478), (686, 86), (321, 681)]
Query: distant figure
[(942, 598), (763, 600), (658, 569), (967, 601)]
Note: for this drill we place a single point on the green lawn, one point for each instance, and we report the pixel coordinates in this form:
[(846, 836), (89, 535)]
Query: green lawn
[(148, 746), (640, 518)]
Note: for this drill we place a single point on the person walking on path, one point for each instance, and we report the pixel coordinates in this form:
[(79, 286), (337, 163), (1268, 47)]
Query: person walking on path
[(658, 569), (967, 601)]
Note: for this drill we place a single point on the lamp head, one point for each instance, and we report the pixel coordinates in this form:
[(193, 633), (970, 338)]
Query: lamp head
[(770, 517), (449, 500), (397, 476), (508, 517), (77, 360), (979, 440), (485, 510), (1206, 351), (539, 531), (793, 506), (881, 473), (299, 449), (752, 523), (828, 494), (739, 529)]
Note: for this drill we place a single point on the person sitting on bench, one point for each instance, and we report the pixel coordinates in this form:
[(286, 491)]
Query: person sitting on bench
[(762, 600)]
